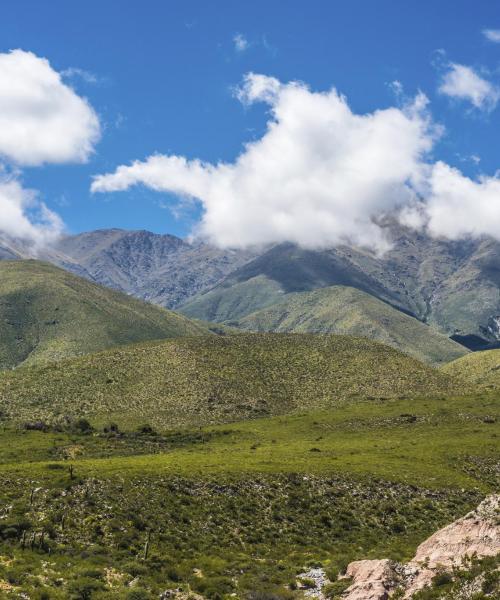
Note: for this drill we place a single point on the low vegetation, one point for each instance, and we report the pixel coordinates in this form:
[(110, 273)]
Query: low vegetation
[(47, 314), (480, 370), (214, 379), (348, 311), (235, 509)]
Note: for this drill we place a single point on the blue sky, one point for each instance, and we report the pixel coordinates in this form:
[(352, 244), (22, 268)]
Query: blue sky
[(160, 75)]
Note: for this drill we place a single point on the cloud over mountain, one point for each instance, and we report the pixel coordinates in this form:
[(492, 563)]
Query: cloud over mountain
[(318, 176), (322, 175)]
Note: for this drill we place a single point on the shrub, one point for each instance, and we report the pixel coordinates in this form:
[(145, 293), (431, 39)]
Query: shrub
[(138, 595), (82, 426), (442, 579), (332, 590), (84, 588)]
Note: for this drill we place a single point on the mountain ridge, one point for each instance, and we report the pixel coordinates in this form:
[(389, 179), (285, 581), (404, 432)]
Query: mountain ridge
[(453, 286)]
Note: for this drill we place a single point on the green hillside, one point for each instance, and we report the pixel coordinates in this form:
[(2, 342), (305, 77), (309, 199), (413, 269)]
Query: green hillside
[(211, 379), (480, 370), (47, 314), (348, 311)]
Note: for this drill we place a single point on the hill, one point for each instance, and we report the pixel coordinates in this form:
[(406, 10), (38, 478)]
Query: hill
[(47, 314), (480, 370), (211, 379), (348, 311)]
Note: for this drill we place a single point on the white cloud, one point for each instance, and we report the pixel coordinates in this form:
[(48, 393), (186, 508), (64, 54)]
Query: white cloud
[(24, 216), (464, 83), (319, 175), (322, 175), (493, 35), (240, 42), (42, 120), (459, 207), (87, 76)]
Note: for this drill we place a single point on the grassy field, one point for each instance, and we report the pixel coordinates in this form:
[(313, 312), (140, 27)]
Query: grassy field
[(47, 314), (348, 311), (214, 379), (240, 508)]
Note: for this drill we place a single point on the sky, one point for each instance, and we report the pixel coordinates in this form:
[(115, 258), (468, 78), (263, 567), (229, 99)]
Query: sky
[(250, 122)]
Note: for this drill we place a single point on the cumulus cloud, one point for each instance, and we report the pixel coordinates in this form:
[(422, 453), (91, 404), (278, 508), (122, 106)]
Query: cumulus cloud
[(493, 35), (319, 176), (459, 207), (24, 216), (464, 83), (240, 42), (42, 120)]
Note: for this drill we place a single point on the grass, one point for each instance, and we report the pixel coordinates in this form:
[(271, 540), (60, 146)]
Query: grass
[(242, 507), (216, 379), (478, 369), (47, 314), (348, 311)]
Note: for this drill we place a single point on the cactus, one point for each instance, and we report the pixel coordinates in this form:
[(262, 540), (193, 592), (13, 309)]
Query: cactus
[(146, 545)]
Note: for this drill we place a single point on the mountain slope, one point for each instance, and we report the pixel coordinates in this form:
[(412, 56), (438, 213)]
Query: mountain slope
[(454, 286), (349, 311), (210, 379), (481, 370), (282, 270), (162, 269), (47, 313)]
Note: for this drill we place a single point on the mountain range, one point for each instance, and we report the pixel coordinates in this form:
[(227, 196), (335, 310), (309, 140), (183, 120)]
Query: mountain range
[(450, 288)]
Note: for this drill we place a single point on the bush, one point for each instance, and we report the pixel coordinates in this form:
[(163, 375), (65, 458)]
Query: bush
[(138, 595), (442, 579), (82, 426), (84, 588), (331, 590), (146, 430)]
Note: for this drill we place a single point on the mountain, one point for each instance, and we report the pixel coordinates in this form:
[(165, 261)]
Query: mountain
[(349, 311), (281, 270), (162, 269), (47, 313), (213, 379), (453, 286)]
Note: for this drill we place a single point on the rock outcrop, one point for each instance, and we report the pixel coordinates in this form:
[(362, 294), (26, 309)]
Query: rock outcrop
[(475, 535), (372, 579)]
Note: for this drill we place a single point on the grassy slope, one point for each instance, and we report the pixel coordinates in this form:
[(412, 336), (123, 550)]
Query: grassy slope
[(478, 369), (47, 314), (349, 311), (240, 507), (217, 379), (235, 301)]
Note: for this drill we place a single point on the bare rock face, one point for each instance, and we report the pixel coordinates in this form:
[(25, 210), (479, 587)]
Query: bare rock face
[(476, 534), (372, 579)]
